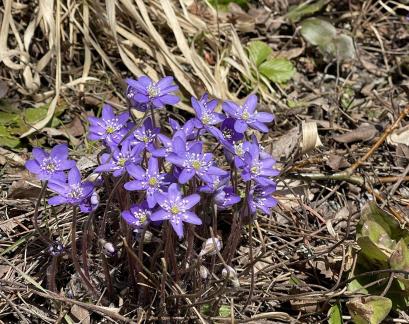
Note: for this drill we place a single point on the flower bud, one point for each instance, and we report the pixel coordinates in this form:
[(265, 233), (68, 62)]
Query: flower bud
[(210, 245), (230, 274), (204, 272), (56, 248)]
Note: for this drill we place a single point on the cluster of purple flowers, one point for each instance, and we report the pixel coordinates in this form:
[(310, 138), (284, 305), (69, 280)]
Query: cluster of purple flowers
[(171, 174)]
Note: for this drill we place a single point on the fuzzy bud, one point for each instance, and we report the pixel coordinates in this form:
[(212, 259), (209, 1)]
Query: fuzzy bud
[(204, 272), (210, 245), (230, 274)]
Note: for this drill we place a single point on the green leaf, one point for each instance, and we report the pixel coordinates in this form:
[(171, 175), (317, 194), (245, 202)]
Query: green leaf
[(224, 311), (6, 139), (399, 259), (34, 115), (304, 9), (8, 119), (390, 225), (318, 32), (277, 70), (369, 310), (378, 235), (373, 253), (258, 52), (335, 314), (222, 4)]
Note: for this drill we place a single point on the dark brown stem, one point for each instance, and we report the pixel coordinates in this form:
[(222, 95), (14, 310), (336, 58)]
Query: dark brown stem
[(43, 238), (85, 239), (74, 255), (51, 274)]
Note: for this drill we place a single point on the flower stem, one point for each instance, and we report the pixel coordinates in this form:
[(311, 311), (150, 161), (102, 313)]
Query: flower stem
[(74, 255), (43, 238)]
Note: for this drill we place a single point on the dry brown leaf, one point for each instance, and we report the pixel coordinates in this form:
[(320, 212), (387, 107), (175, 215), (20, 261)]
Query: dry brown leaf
[(362, 133), (75, 128), (310, 137), (81, 314), (337, 162), (283, 146), (399, 136)]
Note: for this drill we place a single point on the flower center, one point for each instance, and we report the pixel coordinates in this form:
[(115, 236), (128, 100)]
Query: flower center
[(145, 139), (121, 161), (76, 191), (49, 165), (238, 149), (206, 119), (245, 115), (153, 181), (196, 165), (174, 210), (255, 169), (153, 91), (110, 129)]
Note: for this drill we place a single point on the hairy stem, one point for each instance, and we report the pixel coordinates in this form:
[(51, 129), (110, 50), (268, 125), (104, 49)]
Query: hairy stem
[(74, 255)]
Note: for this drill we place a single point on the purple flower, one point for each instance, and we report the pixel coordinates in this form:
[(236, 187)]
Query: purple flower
[(261, 198), (50, 166), (188, 128), (235, 152), (110, 128), (225, 197), (144, 92), (91, 203), (150, 180), (229, 133), (175, 208), (138, 215), (214, 183), (206, 117), (146, 134), (120, 159), (257, 169), (74, 192), (192, 161), (247, 116)]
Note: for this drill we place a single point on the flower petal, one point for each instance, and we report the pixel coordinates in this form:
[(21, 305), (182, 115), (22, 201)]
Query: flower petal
[(178, 228), (60, 151), (231, 108), (136, 171), (159, 215), (264, 117), (39, 154), (134, 185), (107, 112), (240, 126), (251, 103), (191, 200), (57, 200), (190, 217), (33, 166), (186, 175), (174, 192), (74, 176), (153, 166)]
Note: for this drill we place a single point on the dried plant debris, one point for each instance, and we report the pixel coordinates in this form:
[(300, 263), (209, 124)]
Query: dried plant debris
[(333, 246)]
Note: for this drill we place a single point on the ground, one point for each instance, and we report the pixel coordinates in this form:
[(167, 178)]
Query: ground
[(340, 139)]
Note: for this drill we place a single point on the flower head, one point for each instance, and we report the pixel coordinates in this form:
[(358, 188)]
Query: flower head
[(261, 198), (50, 166), (110, 127), (150, 180), (120, 159), (192, 161), (74, 192), (247, 116), (146, 134), (176, 209), (138, 215), (206, 117), (257, 169), (225, 197), (143, 92)]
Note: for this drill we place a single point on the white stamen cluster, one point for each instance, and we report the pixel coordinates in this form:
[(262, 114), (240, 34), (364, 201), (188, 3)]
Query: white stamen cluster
[(50, 165), (207, 118), (112, 125), (238, 148), (152, 90), (76, 191), (255, 169), (196, 161), (141, 216)]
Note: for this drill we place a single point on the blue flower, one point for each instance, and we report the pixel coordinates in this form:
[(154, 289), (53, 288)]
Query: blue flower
[(138, 215), (110, 127), (143, 92), (75, 192), (149, 180), (247, 116), (261, 198), (50, 166), (176, 209)]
